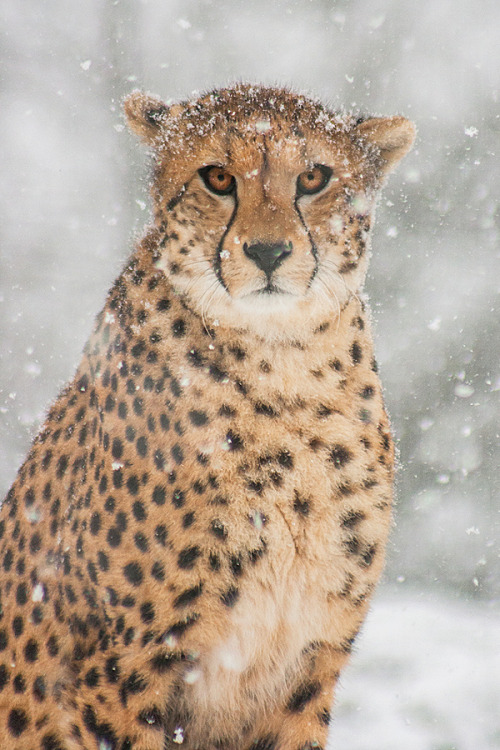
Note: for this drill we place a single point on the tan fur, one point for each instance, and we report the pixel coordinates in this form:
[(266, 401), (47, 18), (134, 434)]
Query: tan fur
[(189, 549)]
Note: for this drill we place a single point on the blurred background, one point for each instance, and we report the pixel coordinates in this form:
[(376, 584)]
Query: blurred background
[(74, 197)]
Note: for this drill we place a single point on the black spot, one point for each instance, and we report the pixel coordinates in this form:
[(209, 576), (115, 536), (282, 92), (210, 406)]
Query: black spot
[(138, 348), (195, 358), (8, 560), (303, 696), (158, 496), (21, 594), (188, 596), (83, 383), (164, 422), (103, 484), (163, 305), (158, 571), (161, 534), (324, 411), (117, 448), (199, 487), (188, 519), (351, 518), (300, 505), (198, 418), (29, 497), (19, 684), (133, 573), (218, 529), (241, 386), (110, 403), (214, 561), (368, 555), (234, 441), (151, 716), (356, 353), (255, 486), (95, 523), (266, 409), (92, 678), (179, 328), (51, 742), (142, 446), (163, 662), (285, 459), (230, 596), (31, 650), (147, 612), (226, 411), (112, 669), (255, 554), (238, 352), (340, 456), (217, 374), (236, 565), (109, 505), (101, 730), (177, 454), (3, 640), (4, 676), (352, 545), (62, 465), (139, 511), (187, 557), (17, 722), (159, 460), (114, 537), (138, 405), (39, 689), (135, 683), (133, 484), (141, 542), (178, 498), (117, 479), (52, 646)]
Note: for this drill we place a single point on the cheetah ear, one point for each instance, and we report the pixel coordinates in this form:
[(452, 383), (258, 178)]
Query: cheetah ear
[(392, 138), (145, 115)]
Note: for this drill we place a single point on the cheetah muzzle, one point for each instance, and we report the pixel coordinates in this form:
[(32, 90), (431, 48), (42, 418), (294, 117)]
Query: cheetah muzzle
[(190, 547)]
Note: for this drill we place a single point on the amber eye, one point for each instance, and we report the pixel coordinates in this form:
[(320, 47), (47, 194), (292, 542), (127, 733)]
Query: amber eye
[(218, 180), (313, 180)]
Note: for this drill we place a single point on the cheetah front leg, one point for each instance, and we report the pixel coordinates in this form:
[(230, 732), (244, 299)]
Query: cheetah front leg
[(301, 721)]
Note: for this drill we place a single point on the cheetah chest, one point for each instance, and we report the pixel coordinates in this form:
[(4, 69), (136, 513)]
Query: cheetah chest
[(254, 661)]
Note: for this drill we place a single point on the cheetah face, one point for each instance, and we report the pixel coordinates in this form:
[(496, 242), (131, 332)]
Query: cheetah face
[(265, 200)]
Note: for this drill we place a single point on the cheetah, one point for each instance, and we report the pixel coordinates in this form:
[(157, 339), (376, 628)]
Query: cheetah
[(189, 550)]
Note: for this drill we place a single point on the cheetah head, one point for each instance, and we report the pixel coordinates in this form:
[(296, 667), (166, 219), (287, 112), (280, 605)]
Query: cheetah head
[(264, 199)]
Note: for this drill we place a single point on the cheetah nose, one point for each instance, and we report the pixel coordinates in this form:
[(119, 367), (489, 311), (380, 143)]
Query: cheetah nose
[(268, 256)]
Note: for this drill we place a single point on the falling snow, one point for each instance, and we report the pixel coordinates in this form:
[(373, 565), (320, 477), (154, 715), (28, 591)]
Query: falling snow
[(74, 199)]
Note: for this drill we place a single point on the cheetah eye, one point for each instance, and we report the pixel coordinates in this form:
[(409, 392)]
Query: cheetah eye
[(218, 180), (313, 180)]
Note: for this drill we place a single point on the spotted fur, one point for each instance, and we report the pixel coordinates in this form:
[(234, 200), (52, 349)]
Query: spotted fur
[(189, 549)]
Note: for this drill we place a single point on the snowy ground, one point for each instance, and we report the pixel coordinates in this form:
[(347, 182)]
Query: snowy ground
[(425, 676)]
